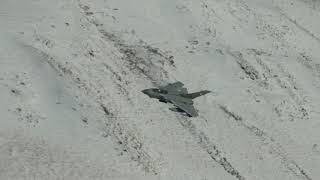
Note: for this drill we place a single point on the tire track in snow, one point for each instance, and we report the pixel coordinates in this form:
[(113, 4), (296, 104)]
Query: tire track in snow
[(142, 58), (213, 151), (308, 62), (247, 68), (123, 136), (129, 142), (139, 57), (274, 147), (299, 26), (294, 101), (289, 86)]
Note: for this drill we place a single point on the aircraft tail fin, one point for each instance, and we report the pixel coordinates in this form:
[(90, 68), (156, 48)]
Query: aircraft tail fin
[(197, 94)]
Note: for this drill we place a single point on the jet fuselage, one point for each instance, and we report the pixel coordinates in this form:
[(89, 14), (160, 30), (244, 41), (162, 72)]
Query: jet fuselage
[(156, 93), (175, 94)]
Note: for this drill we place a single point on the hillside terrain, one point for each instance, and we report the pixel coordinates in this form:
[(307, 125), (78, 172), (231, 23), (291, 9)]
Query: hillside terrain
[(71, 75)]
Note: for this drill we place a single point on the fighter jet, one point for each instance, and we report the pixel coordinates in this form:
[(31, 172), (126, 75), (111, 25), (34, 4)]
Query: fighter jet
[(177, 95)]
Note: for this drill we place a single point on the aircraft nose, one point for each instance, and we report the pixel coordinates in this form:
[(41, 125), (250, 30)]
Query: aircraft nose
[(145, 91)]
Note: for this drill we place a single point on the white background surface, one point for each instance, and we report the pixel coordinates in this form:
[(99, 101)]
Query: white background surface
[(71, 75)]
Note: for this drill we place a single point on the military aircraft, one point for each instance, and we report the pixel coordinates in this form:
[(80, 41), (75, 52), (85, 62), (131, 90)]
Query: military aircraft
[(176, 94)]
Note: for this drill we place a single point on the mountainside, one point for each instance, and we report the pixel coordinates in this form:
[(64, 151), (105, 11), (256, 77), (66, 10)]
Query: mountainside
[(71, 75)]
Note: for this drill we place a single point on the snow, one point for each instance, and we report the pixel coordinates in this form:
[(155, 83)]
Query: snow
[(71, 75)]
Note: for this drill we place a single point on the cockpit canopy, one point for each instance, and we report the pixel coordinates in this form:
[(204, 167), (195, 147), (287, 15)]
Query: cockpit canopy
[(160, 91)]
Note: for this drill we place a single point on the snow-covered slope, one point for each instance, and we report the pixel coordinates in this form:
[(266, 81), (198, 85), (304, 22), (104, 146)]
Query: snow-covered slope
[(71, 75)]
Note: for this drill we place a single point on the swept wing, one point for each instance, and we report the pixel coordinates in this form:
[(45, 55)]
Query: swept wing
[(176, 88), (188, 108), (184, 104)]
